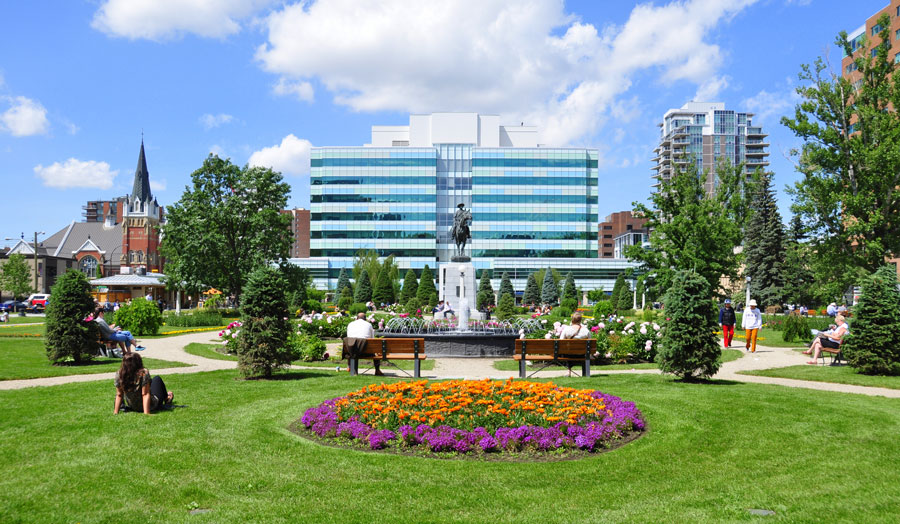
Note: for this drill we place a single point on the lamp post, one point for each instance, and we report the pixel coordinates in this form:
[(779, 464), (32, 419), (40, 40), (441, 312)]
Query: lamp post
[(633, 293), (747, 301)]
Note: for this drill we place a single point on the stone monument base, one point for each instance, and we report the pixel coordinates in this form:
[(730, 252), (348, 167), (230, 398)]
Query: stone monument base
[(456, 285)]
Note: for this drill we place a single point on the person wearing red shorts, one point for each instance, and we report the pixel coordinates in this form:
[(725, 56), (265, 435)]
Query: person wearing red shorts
[(727, 321)]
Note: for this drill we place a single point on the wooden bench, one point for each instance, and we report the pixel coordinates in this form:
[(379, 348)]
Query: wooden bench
[(561, 352), (388, 349), (837, 355)]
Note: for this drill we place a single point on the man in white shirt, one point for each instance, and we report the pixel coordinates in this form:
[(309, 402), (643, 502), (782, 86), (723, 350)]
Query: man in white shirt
[(357, 332), (751, 322)]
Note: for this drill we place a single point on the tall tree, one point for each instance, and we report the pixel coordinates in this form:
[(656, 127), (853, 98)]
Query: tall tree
[(549, 289), (384, 286), (532, 291), (764, 246), (873, 346), (263, 341), (226, 223), (570, 292), (626, 297), (799, 280), (68, 335), (690, 231), (618, 289), (363, 292), (485, 295), (849, 196), (410, 287), (342, 283), (506, 287), (689, 348), (426, 291), (366, 261), (16, 277)]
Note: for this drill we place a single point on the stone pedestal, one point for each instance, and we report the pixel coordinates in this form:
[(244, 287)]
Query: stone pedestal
[(456, 285)]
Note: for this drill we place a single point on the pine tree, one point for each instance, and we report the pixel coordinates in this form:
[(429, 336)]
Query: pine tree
[(873, 347), (549, 290), (506, 287), (363, 291), (342, 283), (617, 291), (569, 290), (689, 348), (263, 339), (384, 288), (626, 298), (410, 287), (426, 290), (764, 246), (799, 280), (532, 291), (506, 307), (68, 335), (485, 296)]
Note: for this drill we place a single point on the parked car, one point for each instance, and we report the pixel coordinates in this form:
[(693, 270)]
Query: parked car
[(13, 305), (38, 300)]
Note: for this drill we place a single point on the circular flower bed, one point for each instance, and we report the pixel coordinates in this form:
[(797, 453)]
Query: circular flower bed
[(468, 416)]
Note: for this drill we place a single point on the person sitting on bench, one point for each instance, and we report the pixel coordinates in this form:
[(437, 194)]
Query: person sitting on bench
[(357, 332), (830, 340), (123, 338), (575, 330)]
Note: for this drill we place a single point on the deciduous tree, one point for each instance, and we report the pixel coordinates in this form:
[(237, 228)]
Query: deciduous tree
[(16, 276)]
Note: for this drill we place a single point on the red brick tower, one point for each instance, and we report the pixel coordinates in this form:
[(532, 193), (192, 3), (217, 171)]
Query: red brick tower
[(141, 216)]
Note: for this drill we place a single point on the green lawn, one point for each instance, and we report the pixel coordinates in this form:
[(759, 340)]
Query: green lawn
[(16, 319), (209, 351), (26, 358), (836, 374), (766, 337), (513, 365), (712, 452)]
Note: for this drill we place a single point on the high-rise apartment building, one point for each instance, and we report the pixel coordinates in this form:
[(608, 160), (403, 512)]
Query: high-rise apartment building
[(532, 206), (708, 133), (299, 231), (103, 210)]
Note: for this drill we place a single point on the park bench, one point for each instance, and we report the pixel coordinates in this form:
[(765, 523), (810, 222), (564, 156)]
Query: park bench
[(567, 352), (106, 347), (837, 355), (386, 350)]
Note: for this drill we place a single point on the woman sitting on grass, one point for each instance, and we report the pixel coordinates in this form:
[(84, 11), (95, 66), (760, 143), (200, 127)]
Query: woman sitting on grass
[(830, 339), (133, 384)]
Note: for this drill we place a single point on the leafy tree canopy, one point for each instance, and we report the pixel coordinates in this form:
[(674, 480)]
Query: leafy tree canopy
[(16, 276)]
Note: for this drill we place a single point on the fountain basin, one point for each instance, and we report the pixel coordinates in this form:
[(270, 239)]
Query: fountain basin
[(462, 344)]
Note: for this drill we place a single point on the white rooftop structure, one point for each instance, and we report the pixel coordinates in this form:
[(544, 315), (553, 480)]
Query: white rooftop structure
[(454, 128)]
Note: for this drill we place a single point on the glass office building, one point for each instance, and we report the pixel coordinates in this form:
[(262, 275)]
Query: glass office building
[(397, 196)]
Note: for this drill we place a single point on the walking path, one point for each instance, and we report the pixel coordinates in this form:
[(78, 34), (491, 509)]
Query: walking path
[(172, 348)]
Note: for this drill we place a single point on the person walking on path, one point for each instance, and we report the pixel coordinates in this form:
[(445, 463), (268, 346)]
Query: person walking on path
[(727, 321), (751, 322)]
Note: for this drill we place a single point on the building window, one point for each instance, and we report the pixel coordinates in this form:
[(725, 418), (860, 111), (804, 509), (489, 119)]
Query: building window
[(876, 29), (88, 266)]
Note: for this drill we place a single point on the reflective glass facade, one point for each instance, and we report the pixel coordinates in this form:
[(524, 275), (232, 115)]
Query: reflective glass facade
[(526, 202)]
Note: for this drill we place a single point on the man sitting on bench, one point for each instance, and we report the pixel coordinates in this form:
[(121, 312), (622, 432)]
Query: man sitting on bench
[(357, 332), (123, 338)]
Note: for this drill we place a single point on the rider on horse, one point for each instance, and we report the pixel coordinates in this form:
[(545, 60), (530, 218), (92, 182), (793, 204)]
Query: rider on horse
[(460, 230)]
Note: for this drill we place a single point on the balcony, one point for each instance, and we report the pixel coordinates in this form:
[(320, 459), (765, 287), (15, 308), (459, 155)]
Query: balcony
[(755, 131), (755, 152)]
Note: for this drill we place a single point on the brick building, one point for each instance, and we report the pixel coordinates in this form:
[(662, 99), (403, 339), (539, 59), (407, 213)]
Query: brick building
[(619, 230), (299, 232)]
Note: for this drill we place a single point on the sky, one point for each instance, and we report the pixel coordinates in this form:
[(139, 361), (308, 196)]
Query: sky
[(262, 81)]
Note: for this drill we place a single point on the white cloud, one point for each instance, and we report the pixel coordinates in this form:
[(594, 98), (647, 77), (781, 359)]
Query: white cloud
[(25, 117), (709, 90), (165, 19), (158, 185), (529, 60), (770, 107), (210, 121), (77, 173), (71, 128), (302, 90), (291, 157)]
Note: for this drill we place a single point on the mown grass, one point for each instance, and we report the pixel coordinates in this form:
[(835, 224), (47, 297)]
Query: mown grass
[(22, 358), (16, 319), (210, 351), (835, 374), (712, 452), (513, 365)]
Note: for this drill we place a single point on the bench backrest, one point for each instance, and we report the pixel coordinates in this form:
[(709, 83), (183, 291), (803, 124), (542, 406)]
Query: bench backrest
[(379, 347), (566, 348)]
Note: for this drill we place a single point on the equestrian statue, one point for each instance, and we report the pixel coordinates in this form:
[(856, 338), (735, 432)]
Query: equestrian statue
[(462, 219)]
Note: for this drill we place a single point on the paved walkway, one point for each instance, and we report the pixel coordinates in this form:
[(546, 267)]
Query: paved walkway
[(172, 348)]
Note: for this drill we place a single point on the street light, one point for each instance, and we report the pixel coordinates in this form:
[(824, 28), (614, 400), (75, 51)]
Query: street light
[(747, 301)]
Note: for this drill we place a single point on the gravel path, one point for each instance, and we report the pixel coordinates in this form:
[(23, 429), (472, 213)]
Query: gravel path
[(172, 348)]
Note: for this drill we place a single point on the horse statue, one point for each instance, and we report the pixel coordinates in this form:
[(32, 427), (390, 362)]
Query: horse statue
[(460, 229)]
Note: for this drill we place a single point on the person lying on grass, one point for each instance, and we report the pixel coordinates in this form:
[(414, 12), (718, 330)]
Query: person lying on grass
[(830, 339), (140, 392), (124, 339)]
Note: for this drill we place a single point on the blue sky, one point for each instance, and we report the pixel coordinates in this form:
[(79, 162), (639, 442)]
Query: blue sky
[(261, 81)]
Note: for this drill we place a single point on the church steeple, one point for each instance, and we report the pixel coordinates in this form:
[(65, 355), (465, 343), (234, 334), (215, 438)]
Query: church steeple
[(141, 189)]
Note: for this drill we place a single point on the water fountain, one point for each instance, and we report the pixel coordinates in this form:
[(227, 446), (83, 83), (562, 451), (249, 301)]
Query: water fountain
[(453, 338)]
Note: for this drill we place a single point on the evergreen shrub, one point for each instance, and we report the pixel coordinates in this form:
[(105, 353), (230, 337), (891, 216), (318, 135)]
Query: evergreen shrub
[(310, 348), (141, 317), (357, 308), (689, 347), (648, 315), (549, 291), (796, 328), (311, 305), (506, 308), (363, 292), (346, 300), (603, 309), (873, 346), (569, 303), (263, 341), (68, 335)]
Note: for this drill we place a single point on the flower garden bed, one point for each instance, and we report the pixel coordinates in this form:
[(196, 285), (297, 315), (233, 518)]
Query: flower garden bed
[(469, 418)]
